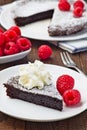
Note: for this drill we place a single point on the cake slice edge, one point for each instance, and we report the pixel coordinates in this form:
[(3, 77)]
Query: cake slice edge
[(36, 98)]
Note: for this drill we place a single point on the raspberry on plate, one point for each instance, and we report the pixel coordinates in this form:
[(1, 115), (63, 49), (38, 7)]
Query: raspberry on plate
[(78, 11), (10, 48), (78, 3), (44, 52), (23, 44), (64, 82), (64, 5), (71, 97)]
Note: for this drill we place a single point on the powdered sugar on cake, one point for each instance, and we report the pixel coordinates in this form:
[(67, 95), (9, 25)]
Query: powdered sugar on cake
[(47, 90), (64, 22), (66, 19), (35, 78)]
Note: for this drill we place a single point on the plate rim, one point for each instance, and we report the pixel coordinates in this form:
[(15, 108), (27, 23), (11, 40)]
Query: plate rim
[(42, 120), (17, 56), (13, 55)]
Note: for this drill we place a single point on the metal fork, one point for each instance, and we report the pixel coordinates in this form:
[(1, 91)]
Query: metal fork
[(68, 62)]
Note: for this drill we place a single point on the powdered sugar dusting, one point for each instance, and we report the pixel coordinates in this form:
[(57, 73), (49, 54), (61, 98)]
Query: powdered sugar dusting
[(65, 19), (49, 90)]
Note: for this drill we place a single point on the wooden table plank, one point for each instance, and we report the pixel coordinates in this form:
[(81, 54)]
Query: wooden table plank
[(9, 123)]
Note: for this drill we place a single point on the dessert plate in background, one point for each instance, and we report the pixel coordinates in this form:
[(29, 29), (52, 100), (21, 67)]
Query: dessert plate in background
[(31, 112), (37, 30)]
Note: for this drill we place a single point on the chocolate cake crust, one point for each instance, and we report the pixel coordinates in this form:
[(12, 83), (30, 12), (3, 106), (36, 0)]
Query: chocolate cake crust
[(57, 31)]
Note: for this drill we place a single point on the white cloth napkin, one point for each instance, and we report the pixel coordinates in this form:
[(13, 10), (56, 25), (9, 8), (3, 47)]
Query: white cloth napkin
[(74, 46)]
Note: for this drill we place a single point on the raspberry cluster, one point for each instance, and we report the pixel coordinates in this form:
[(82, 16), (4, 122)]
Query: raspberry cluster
[(11, 41), (65, 84), (78, 7)]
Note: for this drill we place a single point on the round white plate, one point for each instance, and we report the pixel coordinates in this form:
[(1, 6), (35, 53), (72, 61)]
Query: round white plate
[(29, 111), (17, 56), (37, 30)]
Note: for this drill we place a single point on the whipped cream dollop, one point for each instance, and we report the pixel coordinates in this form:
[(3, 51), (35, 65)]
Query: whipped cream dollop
[(34, 75)]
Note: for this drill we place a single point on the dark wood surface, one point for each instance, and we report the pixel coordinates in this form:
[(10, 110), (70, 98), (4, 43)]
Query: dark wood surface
[(78, 122)]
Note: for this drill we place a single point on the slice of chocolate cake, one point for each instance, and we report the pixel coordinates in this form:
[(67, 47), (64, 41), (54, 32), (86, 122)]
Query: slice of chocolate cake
[(34, 84), (48, 96)]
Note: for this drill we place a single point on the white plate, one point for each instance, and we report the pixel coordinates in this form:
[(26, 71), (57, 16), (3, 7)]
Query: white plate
[(17, 56), (29, 111), (37, 30)]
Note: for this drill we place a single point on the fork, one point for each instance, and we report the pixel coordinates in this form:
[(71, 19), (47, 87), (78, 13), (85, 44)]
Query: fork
[(68, 62)]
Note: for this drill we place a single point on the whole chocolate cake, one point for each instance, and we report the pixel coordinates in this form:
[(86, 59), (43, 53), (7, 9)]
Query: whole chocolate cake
[(31, 11), (62, 22)]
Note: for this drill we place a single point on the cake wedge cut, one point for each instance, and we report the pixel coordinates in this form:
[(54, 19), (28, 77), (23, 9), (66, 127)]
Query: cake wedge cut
[(33, 84), (48, 96)]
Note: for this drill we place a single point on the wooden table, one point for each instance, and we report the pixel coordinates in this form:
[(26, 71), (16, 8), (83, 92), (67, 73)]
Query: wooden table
[(78, 122)]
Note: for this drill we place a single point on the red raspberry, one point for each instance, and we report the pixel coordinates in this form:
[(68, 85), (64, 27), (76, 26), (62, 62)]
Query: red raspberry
[(78, 11), (44, 52), (10, 48), (78, 3), (64, 5), (16, 29), (2, 39), (71, 97), (64, 82), (1, 51), (10, 36), (23, 44)]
